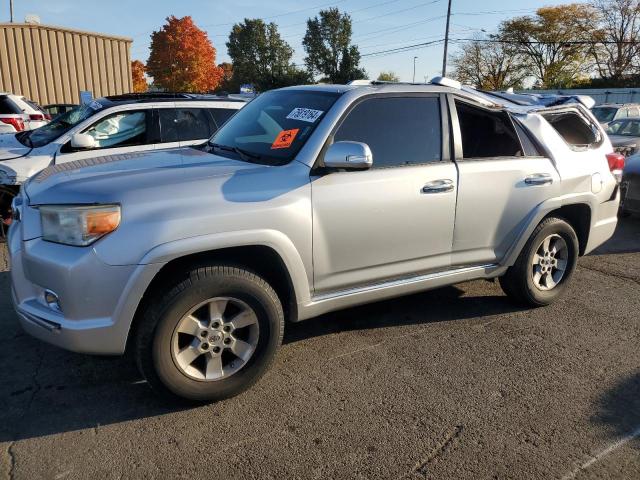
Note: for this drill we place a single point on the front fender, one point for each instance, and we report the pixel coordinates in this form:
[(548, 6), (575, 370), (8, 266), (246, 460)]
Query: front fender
[(274, 239)]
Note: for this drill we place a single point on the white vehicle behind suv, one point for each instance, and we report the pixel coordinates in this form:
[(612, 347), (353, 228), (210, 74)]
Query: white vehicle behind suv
[(18, 113), (112, 125)]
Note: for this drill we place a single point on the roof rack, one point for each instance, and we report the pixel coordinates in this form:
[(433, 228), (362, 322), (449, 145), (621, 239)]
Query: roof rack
[(172, 96)]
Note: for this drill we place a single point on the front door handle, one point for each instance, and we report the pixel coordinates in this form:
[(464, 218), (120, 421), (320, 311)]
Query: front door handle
[(438, 186), (539, 179)]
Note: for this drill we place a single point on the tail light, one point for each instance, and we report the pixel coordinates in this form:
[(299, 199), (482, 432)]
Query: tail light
[(16, 122), (616, 164), (39, 117)]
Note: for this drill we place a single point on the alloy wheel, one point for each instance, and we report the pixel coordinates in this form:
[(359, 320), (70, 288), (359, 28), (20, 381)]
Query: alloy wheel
[(549, 263), (215, 339)]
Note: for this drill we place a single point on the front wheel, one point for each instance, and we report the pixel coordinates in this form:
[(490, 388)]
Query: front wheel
[(545, 265), (211, 336)]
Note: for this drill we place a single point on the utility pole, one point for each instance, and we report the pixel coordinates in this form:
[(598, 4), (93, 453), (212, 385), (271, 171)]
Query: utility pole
[(11, 11), (414, 69), (446, 42)]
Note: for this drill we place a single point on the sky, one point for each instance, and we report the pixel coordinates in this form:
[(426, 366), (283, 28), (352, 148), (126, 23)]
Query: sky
[(378, 25)]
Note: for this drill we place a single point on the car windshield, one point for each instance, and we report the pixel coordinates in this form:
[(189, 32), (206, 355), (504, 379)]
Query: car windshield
[(58, 126), (626, 128), (273, 128), (604, 114)]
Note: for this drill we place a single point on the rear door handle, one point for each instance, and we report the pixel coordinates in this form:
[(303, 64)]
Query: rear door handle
[(438, 186), (539, 179)]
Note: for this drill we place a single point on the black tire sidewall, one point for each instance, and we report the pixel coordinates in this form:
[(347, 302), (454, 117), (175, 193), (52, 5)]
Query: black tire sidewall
[(550, 227), (248, 288)]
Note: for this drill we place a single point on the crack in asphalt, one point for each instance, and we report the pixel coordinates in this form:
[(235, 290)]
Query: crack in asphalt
[(12, 460), (36, 388), (610, 274), (421, 469)]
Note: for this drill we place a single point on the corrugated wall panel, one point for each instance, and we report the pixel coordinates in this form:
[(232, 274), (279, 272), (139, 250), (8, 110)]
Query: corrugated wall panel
[(52, 65)]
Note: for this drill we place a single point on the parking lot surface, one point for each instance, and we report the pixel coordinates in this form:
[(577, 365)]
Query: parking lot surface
[(453, 383)]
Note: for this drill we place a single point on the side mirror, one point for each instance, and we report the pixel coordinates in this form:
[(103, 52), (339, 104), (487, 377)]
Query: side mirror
[(83, 141), (353, 155)]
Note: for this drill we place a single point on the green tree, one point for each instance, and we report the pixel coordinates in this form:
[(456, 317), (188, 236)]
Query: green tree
[(388, 77), (616, 51), (488, 65), (551, 43), (261, 57), (329, 49)]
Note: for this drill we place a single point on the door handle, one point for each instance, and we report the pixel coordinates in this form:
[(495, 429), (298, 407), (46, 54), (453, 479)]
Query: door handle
[(539, 179), (438, 186)]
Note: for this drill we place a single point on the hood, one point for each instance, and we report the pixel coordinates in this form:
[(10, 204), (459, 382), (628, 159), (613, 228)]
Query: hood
[(623, 140), (109, 178), (11, 148)]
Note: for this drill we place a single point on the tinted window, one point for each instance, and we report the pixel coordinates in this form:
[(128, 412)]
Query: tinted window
[(604, 114), (221, 115), (629, 128), (272, 128), (183, 124), (7, 107), (486, 134), (399, 131), (120, 129)]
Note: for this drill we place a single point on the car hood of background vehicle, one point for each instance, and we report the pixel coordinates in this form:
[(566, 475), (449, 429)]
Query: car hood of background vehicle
[(101, 179), (623, 140), (11, 148)]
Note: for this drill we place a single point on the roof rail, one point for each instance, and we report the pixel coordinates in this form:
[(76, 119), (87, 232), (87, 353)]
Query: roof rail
[(446, 82)]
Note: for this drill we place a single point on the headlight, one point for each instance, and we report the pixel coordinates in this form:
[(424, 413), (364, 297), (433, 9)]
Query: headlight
[(78, 225)]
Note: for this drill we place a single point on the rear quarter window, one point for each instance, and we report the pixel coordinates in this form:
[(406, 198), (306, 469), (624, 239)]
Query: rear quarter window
[(577, 130), (7, 106)]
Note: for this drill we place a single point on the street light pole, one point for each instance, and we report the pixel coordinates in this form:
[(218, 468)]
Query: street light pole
[(414, 69), (446, 42), (11, 11)]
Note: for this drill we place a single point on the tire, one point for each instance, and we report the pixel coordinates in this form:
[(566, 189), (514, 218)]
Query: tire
[(235, 297), (520, 282)]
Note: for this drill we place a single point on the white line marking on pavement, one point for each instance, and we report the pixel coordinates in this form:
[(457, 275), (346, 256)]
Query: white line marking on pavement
[(600, 455)]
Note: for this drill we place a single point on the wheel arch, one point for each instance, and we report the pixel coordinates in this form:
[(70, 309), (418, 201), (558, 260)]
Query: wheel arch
[(282, 268)]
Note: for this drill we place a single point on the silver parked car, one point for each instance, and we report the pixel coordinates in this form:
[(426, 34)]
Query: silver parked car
[(624, 135), (310, 199)]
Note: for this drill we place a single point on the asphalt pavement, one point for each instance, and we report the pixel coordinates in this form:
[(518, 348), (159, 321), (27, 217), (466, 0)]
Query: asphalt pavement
[(454, 383)]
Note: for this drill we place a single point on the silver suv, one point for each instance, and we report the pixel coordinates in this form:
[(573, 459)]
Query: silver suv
[(310, 199)]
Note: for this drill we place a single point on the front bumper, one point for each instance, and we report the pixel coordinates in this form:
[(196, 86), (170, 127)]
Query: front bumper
[(98, 301)]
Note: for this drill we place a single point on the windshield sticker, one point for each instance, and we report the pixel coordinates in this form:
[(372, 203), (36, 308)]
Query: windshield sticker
[(305, 114), (95, 105), (284, 139)]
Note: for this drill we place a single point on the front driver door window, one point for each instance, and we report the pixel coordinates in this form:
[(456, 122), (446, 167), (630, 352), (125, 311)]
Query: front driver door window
[(118, 133)]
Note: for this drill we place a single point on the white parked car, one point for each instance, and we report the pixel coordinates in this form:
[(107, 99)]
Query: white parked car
[(114, 125), (18, 113)]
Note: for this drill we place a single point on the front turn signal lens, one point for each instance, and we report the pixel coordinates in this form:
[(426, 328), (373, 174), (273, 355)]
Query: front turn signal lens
[(78, 225)]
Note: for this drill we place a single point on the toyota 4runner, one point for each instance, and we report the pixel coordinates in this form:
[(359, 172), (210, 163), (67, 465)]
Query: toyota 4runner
[(310, 199)]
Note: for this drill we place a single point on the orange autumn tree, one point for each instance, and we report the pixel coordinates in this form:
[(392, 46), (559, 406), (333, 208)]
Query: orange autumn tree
[(182, 58), (137, 73)]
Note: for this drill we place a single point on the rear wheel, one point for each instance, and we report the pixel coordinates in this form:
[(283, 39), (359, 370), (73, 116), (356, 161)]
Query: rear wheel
[(212, 336), (545, 265)]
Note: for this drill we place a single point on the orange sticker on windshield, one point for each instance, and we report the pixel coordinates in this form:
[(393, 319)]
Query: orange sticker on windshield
[(285, 138)]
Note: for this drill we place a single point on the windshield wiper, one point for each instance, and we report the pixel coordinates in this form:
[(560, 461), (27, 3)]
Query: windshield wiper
[(243, 154)]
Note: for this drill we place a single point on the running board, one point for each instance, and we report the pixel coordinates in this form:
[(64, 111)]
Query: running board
[(336, 300)]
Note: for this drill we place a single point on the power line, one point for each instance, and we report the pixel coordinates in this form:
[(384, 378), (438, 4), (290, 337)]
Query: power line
[(406, 48)]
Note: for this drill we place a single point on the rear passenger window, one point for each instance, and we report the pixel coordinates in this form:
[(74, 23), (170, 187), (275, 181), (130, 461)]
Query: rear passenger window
[(183, 124), (399, 131), (221, 115), (7, 107), (487, 134), (579, 132)]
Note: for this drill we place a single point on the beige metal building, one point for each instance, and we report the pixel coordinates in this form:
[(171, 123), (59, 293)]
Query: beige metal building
[(53, 64)]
